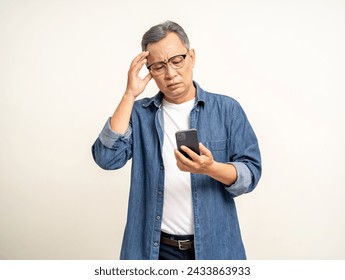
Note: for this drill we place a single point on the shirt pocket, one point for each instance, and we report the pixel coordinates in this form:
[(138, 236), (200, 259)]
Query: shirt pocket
[(220, 149)]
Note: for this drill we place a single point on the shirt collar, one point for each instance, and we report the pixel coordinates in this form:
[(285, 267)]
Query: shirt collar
[(158, 98)]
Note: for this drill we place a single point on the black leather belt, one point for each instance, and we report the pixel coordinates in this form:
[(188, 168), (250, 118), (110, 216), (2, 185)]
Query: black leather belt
[(181, 244)]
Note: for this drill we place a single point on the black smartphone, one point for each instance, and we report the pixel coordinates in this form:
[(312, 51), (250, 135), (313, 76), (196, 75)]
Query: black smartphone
[(188, 138)]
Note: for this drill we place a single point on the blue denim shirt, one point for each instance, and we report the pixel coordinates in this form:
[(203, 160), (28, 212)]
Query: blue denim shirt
[(224, 129)]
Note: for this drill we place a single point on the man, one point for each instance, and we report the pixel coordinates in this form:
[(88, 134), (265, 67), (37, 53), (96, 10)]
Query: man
[(179, 207)]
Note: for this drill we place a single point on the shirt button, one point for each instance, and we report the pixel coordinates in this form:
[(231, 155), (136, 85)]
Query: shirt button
[(162, 167), (158, 217), (160, 192), (155, 244)]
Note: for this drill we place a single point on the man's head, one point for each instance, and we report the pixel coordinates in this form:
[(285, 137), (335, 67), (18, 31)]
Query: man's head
[(159, 31), (170, 61)]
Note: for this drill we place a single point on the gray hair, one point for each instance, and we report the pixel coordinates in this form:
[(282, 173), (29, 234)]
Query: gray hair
[(159, 31)]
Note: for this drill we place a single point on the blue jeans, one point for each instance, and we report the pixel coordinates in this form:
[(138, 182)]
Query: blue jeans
[(168, 252)]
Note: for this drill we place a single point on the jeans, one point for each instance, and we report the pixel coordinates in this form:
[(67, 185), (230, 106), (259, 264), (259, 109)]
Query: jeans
[(168, 252)]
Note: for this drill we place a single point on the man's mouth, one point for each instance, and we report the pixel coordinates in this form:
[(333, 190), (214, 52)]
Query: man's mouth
[(174, 85)]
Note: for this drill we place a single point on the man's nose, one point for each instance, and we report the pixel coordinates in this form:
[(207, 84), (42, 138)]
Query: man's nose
[(170, 72)]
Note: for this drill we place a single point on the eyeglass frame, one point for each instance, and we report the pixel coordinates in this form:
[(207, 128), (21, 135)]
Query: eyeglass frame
[(168, 62)]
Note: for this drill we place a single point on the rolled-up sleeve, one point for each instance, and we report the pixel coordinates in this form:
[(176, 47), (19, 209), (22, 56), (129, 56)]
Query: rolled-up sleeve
[(112, 150), (245, 153), (108, 137), (244, 179)]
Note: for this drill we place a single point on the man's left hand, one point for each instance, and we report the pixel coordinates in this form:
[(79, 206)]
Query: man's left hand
[(199, 164)]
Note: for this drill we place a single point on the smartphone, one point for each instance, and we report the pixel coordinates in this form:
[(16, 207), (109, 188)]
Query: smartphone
[(188, 138)]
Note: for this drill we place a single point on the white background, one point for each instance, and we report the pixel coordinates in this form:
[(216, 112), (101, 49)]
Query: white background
[(63, 68)]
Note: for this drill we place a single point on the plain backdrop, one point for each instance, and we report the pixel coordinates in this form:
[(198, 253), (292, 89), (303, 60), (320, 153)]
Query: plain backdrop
[(63, 69)]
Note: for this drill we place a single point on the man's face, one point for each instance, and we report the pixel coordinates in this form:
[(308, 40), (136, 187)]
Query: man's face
[(176, 84)]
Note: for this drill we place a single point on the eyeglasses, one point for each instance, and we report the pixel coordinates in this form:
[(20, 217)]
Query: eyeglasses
[(176, 62)]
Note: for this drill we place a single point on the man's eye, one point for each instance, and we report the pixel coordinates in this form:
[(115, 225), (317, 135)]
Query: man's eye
[(176, 60), (157, 66)]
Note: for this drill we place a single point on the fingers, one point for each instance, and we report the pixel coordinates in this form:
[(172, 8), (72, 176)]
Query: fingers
[(179, 156), (181, 161), (194, 156), (184, 163), (141, 56), (147, 78), (204, 150), (139, 61), (197, 163), (135, 84)]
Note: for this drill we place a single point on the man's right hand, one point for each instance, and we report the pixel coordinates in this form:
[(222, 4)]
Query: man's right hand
[(135, 84)]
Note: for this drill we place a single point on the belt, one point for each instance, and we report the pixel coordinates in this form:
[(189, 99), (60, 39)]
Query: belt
[(181, 244)]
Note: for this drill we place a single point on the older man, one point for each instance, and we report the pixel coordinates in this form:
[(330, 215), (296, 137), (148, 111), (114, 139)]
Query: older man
[(179, 207)]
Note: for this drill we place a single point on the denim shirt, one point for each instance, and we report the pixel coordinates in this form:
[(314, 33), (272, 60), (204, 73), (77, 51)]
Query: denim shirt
[(224, 129)]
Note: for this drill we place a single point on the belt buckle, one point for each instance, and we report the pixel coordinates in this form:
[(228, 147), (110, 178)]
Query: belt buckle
[(181, 243)]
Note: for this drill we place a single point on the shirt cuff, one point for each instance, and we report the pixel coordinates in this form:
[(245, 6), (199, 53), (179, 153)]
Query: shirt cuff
[(108, 137), (243, 179)]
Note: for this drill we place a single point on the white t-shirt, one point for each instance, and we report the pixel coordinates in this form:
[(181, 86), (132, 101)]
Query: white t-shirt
[(178, 215)]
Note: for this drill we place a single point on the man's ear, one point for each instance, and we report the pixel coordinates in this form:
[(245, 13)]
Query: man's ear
[(192, 56)]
